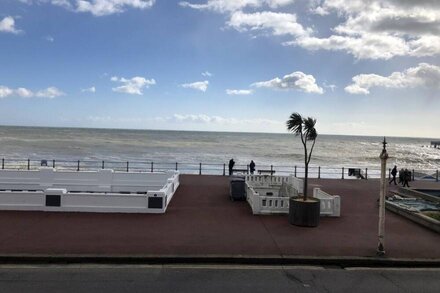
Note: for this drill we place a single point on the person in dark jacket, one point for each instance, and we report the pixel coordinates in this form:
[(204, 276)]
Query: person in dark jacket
[(231, 166), (252, 167), (406, 178), (393, 173)]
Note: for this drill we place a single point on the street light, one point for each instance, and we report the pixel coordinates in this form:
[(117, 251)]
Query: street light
[(383, 191)]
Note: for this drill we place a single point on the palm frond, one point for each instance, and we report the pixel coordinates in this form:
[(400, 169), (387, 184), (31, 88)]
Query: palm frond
[(295, 123), (309, 128)]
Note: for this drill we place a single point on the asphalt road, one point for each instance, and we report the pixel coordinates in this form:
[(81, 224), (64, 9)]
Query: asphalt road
[(162, 279)]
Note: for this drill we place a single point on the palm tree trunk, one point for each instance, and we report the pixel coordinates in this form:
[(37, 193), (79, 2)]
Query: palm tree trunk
[(306, 173)]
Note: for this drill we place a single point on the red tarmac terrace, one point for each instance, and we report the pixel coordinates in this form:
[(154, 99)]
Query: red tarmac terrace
[(202, 222)]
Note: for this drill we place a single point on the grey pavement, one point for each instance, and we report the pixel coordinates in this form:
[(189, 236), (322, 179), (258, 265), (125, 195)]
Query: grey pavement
[(213, 278)]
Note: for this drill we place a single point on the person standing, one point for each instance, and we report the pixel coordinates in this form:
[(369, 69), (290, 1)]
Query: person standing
[(252, 167), (393, 173), (231, 166), (406, 178)]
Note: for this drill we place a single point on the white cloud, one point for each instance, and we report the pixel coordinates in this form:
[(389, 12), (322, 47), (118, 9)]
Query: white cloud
[(49, 39), (133, 86), (380, 29), (107, 7), (207, 74), (239, 92), (7, 25), (50, 92), (296, 80), (198, 85), (206, 119), (276, 22), (366, 29), (5, 92), (24, 93), (234, 5), (89, 90), (97, 7), (424, 74)]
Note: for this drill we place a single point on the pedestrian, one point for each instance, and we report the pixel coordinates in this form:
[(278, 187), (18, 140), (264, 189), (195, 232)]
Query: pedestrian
[(406, 178), (393, 173), (252, 167), (231, 166), (401, 173)]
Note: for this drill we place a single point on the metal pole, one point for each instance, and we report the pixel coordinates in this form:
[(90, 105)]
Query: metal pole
[(224, 169), (247, 169), (436, 175), (77, 169), (152, 164), (200, 169), (412, 174), (366, 173), (3, 163), (342, 172), (271, 170), (29, 164), (102, 167), (176, 166), (53, 163), (383, 191), (319, 172), (127, 166), (389, 173), (295, 171)]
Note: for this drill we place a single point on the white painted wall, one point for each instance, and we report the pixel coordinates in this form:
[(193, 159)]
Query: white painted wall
[(99, 190)]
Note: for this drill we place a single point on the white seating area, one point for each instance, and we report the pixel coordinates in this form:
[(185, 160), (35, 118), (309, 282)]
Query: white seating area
[(48, 189), (270, 195)]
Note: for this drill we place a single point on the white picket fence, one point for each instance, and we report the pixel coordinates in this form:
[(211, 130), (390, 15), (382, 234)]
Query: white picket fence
[(48, 189), (270, 195)]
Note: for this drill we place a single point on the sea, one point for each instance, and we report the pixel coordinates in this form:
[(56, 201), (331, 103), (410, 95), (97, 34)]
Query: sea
[(189, 149)]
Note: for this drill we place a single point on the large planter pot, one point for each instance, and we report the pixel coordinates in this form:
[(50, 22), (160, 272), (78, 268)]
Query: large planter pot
[(304, 213)]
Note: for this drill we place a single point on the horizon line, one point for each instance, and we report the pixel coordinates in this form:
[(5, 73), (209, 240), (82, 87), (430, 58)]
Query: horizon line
[(215, 131)]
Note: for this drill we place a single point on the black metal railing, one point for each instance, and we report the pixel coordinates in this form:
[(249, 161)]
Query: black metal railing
[(201, 168)]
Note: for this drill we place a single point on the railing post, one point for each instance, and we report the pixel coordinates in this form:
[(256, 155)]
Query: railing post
[(176, 166), (53, 163), (29, 164), (342, 172), (413, 175), (102, 166), (271, 170), (247, 169), (200, 169), (389, 173), (128, 166), (152, 168), (436, 175), (366, 173), (295, 171), (3, 163), (319, 172), (77, 167), (224, 169)]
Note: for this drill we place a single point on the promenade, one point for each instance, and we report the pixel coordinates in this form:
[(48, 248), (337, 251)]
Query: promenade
[(202, 221)]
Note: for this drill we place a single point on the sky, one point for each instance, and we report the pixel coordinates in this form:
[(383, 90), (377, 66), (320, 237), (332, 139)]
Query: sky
[(360, 67)]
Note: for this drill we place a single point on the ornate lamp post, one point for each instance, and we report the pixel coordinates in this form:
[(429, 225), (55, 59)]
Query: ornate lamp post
[(383, 191)]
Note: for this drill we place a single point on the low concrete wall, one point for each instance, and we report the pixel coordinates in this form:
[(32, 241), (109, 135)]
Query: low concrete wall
[(417, 217)]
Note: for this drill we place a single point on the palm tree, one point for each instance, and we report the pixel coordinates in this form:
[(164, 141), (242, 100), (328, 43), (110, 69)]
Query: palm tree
[(304, 128)]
